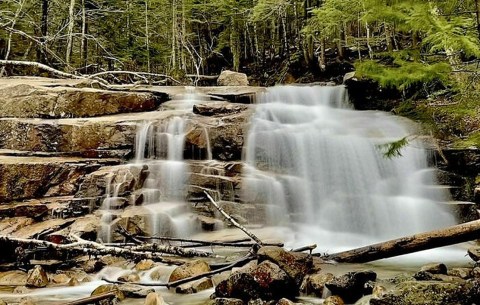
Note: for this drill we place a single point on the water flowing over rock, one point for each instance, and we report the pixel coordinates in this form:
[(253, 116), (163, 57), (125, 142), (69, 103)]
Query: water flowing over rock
[(318, 166)]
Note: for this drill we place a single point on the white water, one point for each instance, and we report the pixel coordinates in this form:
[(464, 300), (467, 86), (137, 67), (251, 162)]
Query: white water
[(316, 163)]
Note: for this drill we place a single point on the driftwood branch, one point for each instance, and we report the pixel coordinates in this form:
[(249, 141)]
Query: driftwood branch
[(40, 66), (410, 244), (137, 74), (233, 221)]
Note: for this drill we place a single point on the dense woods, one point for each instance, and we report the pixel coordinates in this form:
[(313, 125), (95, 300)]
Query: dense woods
[(396, 42)]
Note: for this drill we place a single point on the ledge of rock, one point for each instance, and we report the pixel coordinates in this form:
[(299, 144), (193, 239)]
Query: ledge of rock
[(27, 101)]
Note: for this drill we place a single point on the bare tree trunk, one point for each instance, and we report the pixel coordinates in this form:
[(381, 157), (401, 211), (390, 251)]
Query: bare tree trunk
[(174, 34), (71, 23), (10, 34), (147, 41), (84, 44), (477, 13), (41, 54)]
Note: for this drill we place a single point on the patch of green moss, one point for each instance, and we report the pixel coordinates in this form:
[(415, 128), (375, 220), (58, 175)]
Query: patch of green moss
[(473, 140)]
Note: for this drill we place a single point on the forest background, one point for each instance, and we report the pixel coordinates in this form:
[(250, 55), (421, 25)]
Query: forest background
[(412, 49)]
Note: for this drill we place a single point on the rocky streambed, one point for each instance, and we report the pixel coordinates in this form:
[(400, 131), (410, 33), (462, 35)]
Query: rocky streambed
[(66, 148)]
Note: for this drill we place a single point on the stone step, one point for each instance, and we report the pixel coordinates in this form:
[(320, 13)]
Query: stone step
[(36, 177)]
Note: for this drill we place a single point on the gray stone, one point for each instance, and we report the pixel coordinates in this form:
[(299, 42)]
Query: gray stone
[(435, 268), (351, 286), (230, 78)]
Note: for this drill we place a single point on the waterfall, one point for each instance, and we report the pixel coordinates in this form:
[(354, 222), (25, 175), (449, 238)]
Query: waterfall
[(316, 163)]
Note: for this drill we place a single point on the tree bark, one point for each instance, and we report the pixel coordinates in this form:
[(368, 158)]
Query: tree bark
[(71, 23), (410, 244)]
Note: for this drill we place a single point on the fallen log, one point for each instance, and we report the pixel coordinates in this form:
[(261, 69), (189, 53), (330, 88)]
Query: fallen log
[(40, 66), (410, 244)]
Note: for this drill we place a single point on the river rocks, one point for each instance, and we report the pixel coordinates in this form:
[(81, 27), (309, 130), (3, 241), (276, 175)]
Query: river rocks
[(135, 291), (189, 269), (431, 292), (144, 265), (130, 278), (296, 265), (230, 78), (13, 278), (154, 298), (315, 283), (60, 278), (195, 286), (463, 273), (228, 301), (351, 286), (474, 253), (109, 288), (37, 277), (27, 101), (334, 300), (435, 268), (238, 286)]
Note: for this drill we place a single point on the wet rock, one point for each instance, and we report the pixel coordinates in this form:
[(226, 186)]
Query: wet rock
[(130, 278), (284, 301), (154, 298), (424, 276), (351, 286), (13, 278), (209, 223), (126, 178), (476, 272), (195, 286), (189, 269), (60, 278), (274, 282), (35, 210), (33, 230), (431, 293), (256, 302), (37, 277), (333, 300), (27, 301), (315, 283), (144, 265), (230, 78), (218, 108), (238, 286), (228, 301), (115, 261), (296, 265), (74, 282), (34, 177), (21, 290), (41, 102), (217, 278), (11, 225), (109, 288), (435, 268), (474, 253), (2, 302), (92, 265), (86, 227), (135, 291), (379, 291)]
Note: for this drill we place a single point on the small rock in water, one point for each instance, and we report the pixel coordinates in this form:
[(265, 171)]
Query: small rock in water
[(378, 291), (228, 301), (109, 288), (257, 302), (27, 301), (464, 273), (130, 278), (285, 302), (474, 253), (476, 272), (334, 300), (135, 291), (189, 269), (144, 265), (154, 298), (196, 286), (60, 278), (21, 290), (74, 282), (37, 277), (315, 283), (351, 286), (435, 268)]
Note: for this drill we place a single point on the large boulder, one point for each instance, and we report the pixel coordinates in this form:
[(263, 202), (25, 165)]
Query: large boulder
[(27, 101), (230, 78), (296, 265), (314, 284)]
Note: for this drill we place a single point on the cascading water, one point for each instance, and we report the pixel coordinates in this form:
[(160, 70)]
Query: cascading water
[(316, 163)]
